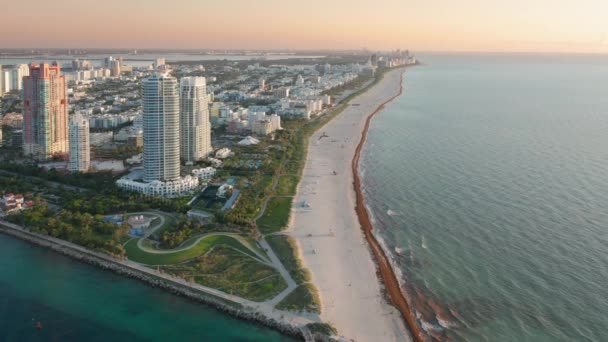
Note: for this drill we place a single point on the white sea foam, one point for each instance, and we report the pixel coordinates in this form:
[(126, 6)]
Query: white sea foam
[(446, 324), (426, 326), (391, 213)]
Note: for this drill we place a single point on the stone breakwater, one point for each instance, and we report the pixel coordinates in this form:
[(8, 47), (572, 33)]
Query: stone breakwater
[(164, 282)]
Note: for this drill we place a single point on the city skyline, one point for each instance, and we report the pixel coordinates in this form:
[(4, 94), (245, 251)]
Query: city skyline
[(469, 25)]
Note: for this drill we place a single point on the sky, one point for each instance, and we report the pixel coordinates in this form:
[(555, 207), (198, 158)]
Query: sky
[(420, 25)]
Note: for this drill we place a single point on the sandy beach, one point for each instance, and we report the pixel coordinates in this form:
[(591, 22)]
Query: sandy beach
[(327, 229)]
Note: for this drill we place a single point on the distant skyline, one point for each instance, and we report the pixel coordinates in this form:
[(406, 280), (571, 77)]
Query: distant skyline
[(432, 25)]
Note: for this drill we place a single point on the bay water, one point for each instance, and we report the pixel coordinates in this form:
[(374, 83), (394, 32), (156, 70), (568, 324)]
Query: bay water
[(79, 302)]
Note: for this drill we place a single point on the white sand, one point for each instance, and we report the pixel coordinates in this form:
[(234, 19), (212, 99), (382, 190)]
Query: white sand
[(329, 235)]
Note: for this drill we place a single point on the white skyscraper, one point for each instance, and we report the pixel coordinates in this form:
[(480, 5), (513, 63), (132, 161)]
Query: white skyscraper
[(195, 127), (78, 132), (17, 75), (160, 101), (6, 80)]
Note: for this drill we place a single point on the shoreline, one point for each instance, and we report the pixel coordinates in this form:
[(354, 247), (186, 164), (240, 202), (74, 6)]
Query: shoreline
[(292, 325), (333, 243), (173, 285), (389, 278)]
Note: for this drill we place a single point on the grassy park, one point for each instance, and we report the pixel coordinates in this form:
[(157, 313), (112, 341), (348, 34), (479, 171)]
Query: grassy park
[(136, 254), (287, 185), (231, 271), (286, 250), (276, 216), (304, 298)]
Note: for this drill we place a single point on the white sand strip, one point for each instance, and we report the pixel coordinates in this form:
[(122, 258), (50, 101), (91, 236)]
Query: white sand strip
[(329, 235)]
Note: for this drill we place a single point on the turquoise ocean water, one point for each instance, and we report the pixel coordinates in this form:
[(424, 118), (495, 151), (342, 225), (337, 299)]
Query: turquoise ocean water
[(488, 182), (78, 302)]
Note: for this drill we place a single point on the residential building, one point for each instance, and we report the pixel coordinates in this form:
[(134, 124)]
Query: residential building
[(80, 155), (282, 92), (79, 64), (114, 65), (160, 102), (204, 173), (158, 63), (195, 127), (45, 119), (223, 153), (170, 188), (161, 173), (5, 81), (262, 124)]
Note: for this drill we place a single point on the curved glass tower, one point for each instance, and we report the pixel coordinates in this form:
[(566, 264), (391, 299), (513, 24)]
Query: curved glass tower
[(160, 101), (194, 120)]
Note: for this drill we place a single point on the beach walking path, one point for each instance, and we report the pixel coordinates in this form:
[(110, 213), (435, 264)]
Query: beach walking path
[(326, 227)]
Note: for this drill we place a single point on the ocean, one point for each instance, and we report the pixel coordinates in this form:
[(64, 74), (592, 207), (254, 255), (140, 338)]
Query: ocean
[(487, 181), (78, 302)]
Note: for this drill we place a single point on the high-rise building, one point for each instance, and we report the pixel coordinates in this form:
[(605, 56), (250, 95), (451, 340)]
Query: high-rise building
[(79, 64), (80, 155), (45, 118), (374, 60), (158, 63), (5, 80), (160, 102), (17, 75), (115, 65), (195, 128), (1, 87)]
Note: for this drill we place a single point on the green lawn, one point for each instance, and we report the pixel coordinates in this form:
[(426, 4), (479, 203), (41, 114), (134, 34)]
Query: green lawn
[(303, 298), (230, 271), (138, 255), (276, 216), (254, 245), (294, 166), (287, 185), (169, 221), (234, 243), (285, 249)]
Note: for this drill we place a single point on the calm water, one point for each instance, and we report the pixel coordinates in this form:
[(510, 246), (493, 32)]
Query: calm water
[(140, 60), (77, 302), (490, 177)]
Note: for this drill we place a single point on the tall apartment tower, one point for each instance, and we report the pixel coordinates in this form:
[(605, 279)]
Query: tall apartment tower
[(160, 102), (45, 114), (80, 155), (195, 127)]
